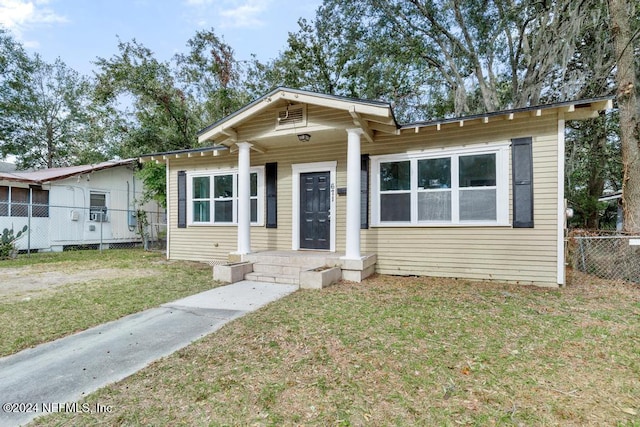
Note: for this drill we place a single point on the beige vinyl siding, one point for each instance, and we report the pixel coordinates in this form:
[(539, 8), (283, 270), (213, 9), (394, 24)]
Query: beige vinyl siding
[(499, 253), (198, 242)]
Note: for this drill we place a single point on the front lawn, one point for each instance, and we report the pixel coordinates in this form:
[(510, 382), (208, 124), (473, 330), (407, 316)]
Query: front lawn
[(99, 287), (402, 351)]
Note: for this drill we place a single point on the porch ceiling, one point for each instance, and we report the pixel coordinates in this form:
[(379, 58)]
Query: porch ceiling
[(289, 138)]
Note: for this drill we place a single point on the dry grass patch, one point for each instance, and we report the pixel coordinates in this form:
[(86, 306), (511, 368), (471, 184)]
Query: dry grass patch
[(48, 296), (402, 351)]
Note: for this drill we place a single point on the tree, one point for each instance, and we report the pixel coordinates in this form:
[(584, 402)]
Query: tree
[(154, 177), (45, 121), (339, 53), (169, 101), (439, 57), (163, 114), (593, 166), (15, 67), (592, 156), (211, 75), (508, 50), (622, 12)]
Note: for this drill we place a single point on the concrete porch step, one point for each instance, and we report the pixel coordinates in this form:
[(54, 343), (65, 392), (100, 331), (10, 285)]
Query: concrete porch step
[(284, 270), (280, 269), (283, 267), (299, 259), (284, 279)]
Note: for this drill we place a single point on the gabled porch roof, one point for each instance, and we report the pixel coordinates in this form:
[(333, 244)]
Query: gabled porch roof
[(368, 115)]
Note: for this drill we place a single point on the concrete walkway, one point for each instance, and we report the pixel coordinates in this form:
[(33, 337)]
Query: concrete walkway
[(54, 375)]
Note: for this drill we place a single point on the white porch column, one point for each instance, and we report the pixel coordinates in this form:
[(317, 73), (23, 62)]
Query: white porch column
[(353, 194), (244, 198)]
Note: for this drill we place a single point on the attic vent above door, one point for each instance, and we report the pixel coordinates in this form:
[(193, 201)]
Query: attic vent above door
[(291, 117)]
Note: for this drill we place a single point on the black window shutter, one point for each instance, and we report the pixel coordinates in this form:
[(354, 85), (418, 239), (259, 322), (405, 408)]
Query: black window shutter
[(522, 173), (182, 199), (364, 192), (271, 172)]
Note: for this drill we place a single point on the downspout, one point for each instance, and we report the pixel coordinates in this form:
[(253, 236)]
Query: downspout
[(129, 222)]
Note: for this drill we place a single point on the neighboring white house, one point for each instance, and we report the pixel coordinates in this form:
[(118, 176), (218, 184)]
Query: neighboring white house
[(71, 206)]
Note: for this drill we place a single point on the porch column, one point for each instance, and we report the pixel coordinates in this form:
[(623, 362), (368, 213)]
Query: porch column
[(244, 198), (353, 194)]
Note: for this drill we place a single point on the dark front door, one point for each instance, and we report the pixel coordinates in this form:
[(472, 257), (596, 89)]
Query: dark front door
[(314, 210)]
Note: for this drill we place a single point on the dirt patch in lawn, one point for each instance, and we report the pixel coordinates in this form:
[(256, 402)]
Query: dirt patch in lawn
[(27, 282)]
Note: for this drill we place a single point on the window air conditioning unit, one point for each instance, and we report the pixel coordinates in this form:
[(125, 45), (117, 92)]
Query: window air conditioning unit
[(98, 216)]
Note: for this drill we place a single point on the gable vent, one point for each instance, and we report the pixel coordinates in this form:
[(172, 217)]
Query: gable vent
[(292, 116)]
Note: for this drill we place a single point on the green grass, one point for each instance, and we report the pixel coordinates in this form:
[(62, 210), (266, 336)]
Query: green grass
[(402, 351), (141, 280)]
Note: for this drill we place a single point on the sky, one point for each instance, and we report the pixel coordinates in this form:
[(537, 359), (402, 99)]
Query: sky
[(79, 31)]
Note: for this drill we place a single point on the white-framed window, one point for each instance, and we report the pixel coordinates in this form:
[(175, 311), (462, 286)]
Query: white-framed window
[(98, 206), (213, 197), (465, 186)]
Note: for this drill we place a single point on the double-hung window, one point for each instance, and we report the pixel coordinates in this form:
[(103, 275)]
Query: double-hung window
[(454, 187), (434, 189), (477, 187), (201, 198), (395, 191), (213, 197)]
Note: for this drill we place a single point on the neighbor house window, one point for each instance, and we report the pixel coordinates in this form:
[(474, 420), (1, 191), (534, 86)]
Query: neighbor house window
[(98, 207), (213, 197), (457, 187), (19, 201), (14, 201), (4, 201), (40, 203)]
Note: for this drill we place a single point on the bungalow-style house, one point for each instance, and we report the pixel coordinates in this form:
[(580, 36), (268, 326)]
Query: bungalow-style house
[(294, 172), (71, 206)]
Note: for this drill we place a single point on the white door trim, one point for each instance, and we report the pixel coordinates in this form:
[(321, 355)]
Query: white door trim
[(298, 169)]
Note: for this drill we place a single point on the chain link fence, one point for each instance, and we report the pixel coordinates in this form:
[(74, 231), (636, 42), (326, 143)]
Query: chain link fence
[(606, 255), (60, 228)]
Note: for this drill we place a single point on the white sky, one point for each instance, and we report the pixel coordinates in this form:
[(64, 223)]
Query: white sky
[(78, 31)]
